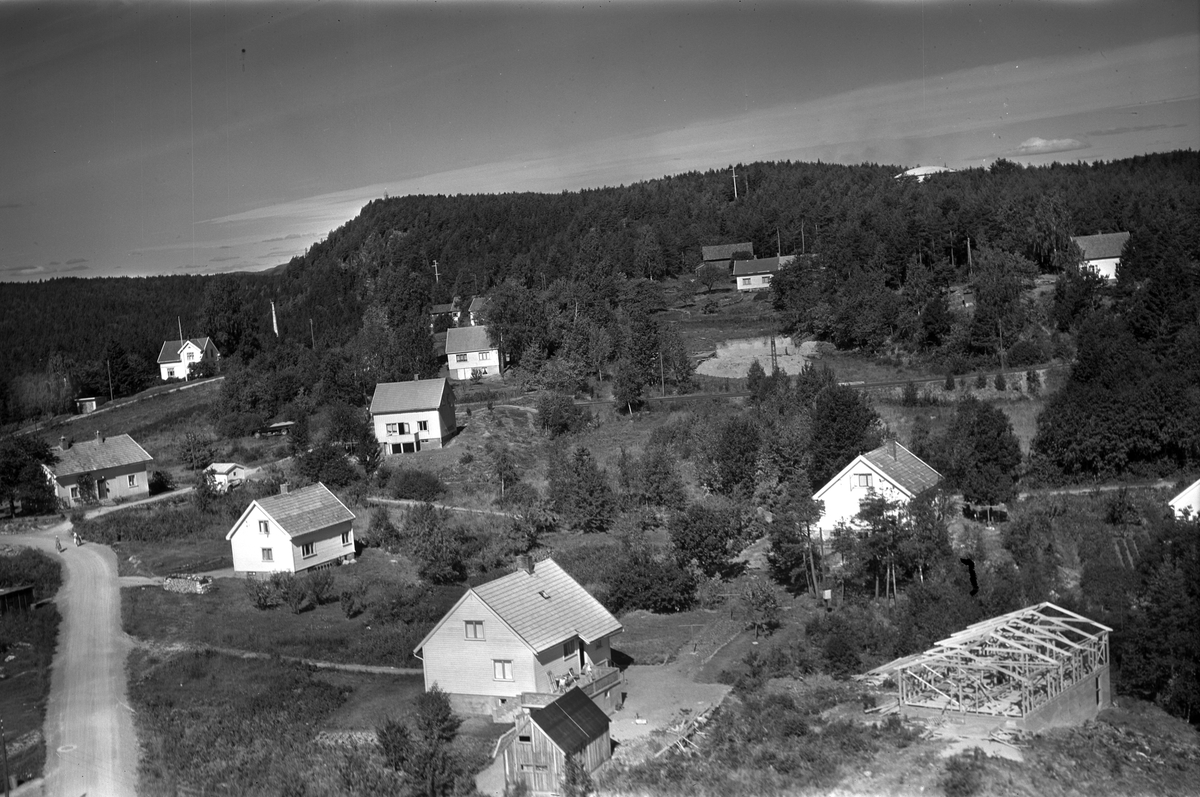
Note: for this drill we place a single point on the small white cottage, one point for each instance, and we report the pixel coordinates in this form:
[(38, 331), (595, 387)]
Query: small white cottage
[(226, 475), (101, 469), (1186, 505), (292, 532), (755, 275), (1102, 253), (177, 356), (409, 415), (469, 350), (891, 471)]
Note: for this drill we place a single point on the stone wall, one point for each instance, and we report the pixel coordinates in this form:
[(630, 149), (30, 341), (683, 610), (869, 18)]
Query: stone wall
[(186, 582)]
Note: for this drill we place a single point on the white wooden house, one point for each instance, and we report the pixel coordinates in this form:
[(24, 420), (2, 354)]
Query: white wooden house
[(1186, 505), (226, 475), (476, 310), (890, 471), (755, 275), (294, 531), (407, 416), (468, 350), (177, 356), (118, 467), (1102, 253), (533, 631), (542, 739)]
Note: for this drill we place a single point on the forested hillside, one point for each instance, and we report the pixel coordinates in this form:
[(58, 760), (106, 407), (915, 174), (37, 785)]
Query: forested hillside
[(570, 268)]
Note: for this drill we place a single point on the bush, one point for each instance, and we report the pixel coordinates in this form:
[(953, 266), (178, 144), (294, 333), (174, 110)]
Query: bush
[(964, 774), (160, 482), (290, 590), (353, 600), (981, 382), (948, 385), (381, 531), (239, 424), (415, 485), (262, 593), (910, 397), (1000, 383), (558, 415), (319, 586), (1033, 382)]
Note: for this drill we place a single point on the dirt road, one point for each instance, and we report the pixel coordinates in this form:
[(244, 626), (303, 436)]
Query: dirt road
[(91, 747)]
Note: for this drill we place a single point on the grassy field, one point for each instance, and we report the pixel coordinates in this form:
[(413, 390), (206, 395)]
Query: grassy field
[(227, 618)]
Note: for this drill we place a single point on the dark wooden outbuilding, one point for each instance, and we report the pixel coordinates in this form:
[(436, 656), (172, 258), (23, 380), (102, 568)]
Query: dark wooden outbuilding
[(20, 597), (573, 726)]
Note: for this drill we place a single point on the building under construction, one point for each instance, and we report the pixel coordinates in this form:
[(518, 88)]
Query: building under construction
[(1035, 668)]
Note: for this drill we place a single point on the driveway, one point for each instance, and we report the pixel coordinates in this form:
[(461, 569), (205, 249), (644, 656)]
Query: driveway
[(91, 747)]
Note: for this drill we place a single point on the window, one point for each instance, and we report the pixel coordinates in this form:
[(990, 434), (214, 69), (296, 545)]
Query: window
[(745, 280), (474, 629), (191, 356), (502, 669), (74, 491), (569, 649), (534, 768), (460, 358), (766, 278), (345, 538), (262, 527), (525, 738), (423, 426), (864, 480), (485, 355), (391, 428), (308, 549), (268, 556), (133, 480), (404, 428), (170, 373)]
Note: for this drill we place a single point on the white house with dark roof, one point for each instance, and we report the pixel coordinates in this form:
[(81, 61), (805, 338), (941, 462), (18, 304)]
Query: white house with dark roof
[(407, 416), (476, 310), (294, 531), (177, 356), (468, 350), (535, 631), (755, 275), (226, 475), (890, 471), (1102, 253), (118, 467), (1186, 505)]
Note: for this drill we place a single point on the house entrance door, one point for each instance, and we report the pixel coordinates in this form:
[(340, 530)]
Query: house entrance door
[(102, 489)]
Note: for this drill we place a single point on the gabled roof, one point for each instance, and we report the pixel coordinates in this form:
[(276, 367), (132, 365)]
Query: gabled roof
[(1101, 247), (762, 265), (169, 353), (93, 455), (572, 722), (479, 304), (544, 609), (441, 309), (419, 394), (1185, 497), (460, 340), (902, 467), (724, 251), (224, 467), (301, 511)]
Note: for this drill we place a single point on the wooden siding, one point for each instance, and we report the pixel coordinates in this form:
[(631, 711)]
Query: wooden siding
[(117, 480), (327, 546), (464, 666), (540, 764), (247, 544), (462, 370), (843, 496), (438, 429)]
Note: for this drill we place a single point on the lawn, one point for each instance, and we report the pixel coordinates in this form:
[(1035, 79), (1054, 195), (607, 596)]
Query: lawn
[(227, 618)]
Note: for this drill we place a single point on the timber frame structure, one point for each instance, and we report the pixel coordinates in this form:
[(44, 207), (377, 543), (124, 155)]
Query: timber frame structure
[(1034, 668)]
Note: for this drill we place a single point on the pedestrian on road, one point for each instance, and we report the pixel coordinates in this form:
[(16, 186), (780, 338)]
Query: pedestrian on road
[(58, 543), (78, 539)]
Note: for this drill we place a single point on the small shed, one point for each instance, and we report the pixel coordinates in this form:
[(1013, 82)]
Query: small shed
[(275, 429), (18, 597), (85, 406), (571, 726), (226, 475)]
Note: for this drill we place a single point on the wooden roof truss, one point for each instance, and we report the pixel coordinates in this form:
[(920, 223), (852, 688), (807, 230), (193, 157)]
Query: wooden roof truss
[(1008, 666)]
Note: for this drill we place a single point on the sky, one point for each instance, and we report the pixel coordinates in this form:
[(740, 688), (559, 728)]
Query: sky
[(159, 137)]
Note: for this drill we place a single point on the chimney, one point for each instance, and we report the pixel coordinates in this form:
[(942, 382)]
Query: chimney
[(525, 562), (283, 488), (99, 436), (892, 448), (63, 443)]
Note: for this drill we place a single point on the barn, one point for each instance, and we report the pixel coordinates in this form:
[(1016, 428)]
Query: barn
[(543, 739)]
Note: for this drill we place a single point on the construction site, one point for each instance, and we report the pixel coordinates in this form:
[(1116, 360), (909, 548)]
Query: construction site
[(1026, 671)]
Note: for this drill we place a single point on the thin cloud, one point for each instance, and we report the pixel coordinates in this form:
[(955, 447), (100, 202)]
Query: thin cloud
[(1044, 146), (1116, 131), (221, 259), (76, 260)]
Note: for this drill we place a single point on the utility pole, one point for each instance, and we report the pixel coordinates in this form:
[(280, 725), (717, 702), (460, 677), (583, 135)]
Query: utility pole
[(312, 334), (662, 378), (436, 276), (778, 244), (179, 321), (802, 249), (735, 193), (108, 366)]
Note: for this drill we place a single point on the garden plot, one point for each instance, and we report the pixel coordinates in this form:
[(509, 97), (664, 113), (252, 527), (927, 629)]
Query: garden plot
[(733, 358)]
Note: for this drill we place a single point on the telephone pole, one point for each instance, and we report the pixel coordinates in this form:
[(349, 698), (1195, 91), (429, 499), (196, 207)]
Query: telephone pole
[(735, 193)]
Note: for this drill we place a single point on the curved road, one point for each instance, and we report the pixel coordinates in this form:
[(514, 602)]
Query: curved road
[(91, 747)]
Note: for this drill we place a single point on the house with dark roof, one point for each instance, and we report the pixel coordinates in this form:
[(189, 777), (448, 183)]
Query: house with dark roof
[(117, 467), (542, 739), (536, 631), (468, 349), (755, 275), (1102, 253), (177, 356), (447, 314), (407, 416), (890, 471), (477, 308), (226, 475), (294, 531)]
